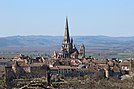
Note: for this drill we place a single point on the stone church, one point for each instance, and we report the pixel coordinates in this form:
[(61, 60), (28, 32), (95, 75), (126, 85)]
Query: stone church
[(68, 48)]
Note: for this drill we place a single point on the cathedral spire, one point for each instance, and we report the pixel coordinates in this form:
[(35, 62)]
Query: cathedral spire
[(66, 34)]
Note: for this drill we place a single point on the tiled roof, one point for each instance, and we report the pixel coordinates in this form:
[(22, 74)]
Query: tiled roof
[(125, 63), (85, 61), (100, 61)]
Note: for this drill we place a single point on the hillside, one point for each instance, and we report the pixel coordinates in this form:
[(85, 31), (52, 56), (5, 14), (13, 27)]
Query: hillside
[(56, 40), (94, 44)]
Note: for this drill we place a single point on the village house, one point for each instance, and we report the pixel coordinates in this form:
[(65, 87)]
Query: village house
[(26, 67), (127, 66), (2, 73), (5, 68), (5, 62), (34, 70), (65, 71), (38, 70), (110, 66)]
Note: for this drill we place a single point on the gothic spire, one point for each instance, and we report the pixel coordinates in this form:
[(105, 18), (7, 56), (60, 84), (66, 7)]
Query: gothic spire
[(66, 34)]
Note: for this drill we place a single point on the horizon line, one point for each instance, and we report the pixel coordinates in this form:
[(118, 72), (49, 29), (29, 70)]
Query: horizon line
[(61, 35)]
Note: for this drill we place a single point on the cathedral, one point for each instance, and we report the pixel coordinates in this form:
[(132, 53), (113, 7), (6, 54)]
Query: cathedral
[(68, 48)]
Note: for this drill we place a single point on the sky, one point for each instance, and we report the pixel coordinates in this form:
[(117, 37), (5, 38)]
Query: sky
[(86, 17)]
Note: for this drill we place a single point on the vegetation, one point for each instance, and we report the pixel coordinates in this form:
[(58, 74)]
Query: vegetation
[(2, 81), (99, 84)]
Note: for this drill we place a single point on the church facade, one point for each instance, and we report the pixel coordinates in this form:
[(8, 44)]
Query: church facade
[(68, 48)]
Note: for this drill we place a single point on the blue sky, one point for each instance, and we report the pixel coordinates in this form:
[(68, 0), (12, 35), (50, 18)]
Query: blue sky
[(86, 17)]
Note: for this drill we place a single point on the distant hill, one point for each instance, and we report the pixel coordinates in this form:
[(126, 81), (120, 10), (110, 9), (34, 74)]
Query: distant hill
[(50, 43), (28, 41), (13, 41)]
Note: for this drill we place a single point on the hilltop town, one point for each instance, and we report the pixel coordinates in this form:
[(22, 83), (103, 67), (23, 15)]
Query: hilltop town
[(67, 68)]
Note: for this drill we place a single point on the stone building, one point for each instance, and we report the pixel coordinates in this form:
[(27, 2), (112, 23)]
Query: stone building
[(82, 51), (68, 48)]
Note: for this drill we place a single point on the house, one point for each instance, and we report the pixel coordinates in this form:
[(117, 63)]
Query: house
[(80, 71), (34, 70), (38, 70), (21, 69), (127, 66), (65, 71), (2, 72), (5, 62), (5, 68)]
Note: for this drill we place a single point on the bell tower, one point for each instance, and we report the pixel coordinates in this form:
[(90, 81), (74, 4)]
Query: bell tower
[(66, 45), (82, 51)]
